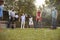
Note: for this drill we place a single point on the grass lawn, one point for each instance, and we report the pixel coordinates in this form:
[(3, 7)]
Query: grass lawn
[(30, 34)]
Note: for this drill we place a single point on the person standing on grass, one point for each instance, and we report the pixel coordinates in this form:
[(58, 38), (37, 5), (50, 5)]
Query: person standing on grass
[(54, 18), (23, 21), (9, 21), (38, 18), (1, 14), (13, 19), (31, 21)]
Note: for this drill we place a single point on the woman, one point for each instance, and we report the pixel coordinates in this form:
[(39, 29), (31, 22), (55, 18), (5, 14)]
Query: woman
[(31, 21)]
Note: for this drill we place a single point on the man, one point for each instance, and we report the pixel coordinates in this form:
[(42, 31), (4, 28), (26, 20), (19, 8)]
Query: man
[(13, 18), (9, 21), (23, 21), (1, 13), (54, 18)]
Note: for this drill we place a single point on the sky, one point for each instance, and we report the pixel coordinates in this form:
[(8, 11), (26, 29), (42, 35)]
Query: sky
[(39, 3)]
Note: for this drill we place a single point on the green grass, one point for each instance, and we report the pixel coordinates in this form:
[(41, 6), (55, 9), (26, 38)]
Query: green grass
[(30, 34)]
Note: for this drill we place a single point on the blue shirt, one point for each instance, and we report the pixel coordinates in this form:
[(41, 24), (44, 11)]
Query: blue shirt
[(1, 11), (54, 14)]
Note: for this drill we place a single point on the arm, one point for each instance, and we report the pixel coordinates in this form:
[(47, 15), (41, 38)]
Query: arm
[(19, 18), (56, 14)]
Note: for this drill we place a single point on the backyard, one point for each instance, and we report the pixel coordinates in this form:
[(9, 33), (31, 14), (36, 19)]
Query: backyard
[(30, 34)]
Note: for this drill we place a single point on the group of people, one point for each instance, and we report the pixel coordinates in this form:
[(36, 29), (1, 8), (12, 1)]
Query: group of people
[(54, 15), (14, 17), (24, 19), (31, 21)]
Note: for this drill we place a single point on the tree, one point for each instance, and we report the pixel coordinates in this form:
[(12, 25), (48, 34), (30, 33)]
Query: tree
[(27, 6), (22, 6)]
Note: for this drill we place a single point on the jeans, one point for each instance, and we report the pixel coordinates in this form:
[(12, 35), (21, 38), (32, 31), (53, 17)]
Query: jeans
[(38, 24), (53, 23), (9, 23)]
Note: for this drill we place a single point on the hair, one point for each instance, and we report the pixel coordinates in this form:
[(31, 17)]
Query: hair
[(1, 2), (12, 9)]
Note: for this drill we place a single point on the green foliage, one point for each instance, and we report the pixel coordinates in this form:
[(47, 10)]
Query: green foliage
[(22, 6), (27, 6), (56, 3)]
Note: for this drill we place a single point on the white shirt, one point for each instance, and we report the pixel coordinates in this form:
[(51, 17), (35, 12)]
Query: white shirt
[(23, 18), (13, 14), (16, 16), (31, 19), (10, 11)]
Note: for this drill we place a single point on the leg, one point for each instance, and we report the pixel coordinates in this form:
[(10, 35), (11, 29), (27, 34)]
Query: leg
[(21, 25), (9, 23), (54, 23), (36, 24), (0, 22)]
